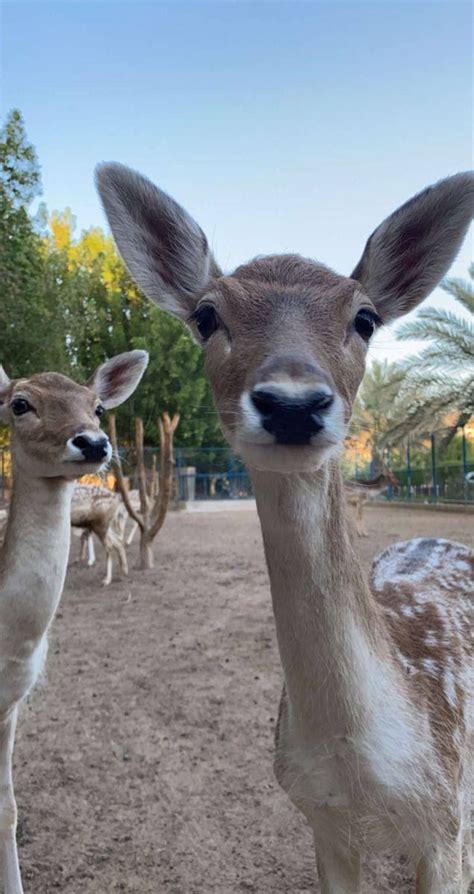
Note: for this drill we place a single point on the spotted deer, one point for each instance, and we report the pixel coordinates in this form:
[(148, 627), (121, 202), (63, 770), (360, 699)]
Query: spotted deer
[(97, 510), (373, 732), (55, 438), (359, 492)]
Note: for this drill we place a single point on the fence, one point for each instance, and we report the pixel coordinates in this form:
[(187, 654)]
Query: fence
[(426, 471)]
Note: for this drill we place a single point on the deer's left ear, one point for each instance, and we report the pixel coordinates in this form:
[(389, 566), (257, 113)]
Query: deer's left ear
[(410, 252), (4, 388), (116, 379)]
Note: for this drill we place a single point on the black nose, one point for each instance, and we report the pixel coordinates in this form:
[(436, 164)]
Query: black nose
[(93, 450), (292, 420)]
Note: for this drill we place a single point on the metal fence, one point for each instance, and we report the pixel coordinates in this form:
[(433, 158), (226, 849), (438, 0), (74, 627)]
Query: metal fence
[(426, 471)]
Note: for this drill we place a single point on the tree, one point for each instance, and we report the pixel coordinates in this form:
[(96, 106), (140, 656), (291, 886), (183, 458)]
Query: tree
[(153, 506), (19, 169), (371, 418), (67, 303), (438, 383), (29, 333)]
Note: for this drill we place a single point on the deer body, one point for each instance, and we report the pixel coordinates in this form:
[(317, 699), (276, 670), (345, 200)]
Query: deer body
[(55, 438), (38, 528), (358, 492), (96, 510), (373, 735), (356, 749)]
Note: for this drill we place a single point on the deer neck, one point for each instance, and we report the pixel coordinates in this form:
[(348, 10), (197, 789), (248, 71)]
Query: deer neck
[(329, 627), (34, 555)]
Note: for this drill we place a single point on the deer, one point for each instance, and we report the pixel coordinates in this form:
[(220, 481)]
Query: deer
[(359, 492), (55, 439), (97, 510), (372, 739)]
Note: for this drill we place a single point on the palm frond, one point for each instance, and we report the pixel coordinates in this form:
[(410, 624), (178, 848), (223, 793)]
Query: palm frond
[(460, 289)]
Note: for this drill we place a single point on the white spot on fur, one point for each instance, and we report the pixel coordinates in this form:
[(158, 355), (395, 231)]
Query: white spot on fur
[(449, 686)]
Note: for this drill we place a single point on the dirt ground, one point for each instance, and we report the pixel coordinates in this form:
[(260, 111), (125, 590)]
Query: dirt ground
[(144, 761)]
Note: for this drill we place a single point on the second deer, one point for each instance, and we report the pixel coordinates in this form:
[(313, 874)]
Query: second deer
[(55, 439)]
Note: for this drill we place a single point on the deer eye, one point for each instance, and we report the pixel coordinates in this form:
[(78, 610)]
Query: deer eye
[(20, 406), (207, 321), (99, 410), (366, 323)]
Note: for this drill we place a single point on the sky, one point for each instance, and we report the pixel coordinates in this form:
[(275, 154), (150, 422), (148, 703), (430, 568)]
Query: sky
[(281, 126)]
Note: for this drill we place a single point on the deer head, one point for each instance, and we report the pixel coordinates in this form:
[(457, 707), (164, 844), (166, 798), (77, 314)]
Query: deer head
[(285, 338), (55, 423)]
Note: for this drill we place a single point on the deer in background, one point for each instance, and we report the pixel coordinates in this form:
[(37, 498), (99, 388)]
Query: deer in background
[(97, 510), (359, 492), (55, 439), (373, 731)]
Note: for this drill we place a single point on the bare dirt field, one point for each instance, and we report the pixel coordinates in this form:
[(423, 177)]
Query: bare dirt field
[(144, 762)]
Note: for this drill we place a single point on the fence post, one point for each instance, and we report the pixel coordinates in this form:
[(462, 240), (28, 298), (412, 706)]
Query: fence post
[(464, 466), (434, 488), (408, 470)]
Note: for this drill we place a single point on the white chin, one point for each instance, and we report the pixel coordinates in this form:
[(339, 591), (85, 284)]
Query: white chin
[(284, 457)]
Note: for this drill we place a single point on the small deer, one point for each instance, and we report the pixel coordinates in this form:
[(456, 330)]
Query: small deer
[(373, 732), (359, 492), (55, 438), (97, 510)]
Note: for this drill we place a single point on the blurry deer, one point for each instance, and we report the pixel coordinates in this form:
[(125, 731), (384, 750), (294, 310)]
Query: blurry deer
[(97, 510), (359, 492)]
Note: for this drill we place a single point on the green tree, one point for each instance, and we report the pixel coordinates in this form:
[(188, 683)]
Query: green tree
[(19, 169), (372, 409), (29, 336), (437, 383), (67, 303)]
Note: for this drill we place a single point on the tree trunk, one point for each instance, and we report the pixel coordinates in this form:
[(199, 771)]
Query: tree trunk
[(147, 560)]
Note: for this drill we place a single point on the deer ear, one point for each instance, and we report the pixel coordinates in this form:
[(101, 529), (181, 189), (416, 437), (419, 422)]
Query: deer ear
[(410, 252), (166, 252), (4, 389), (116, 379)]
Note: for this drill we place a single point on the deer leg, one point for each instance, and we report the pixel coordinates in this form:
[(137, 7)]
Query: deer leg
[(360, 519), (339, 871), (83, 550), (9, 866), (132, 533), (87, 546), (441, 873), (118, 546), (109, 567)]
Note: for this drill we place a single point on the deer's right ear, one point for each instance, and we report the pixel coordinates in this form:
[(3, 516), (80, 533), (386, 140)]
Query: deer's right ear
[(4, 388), (166, 252)]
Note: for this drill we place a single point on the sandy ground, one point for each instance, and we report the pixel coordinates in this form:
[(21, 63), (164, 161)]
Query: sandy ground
[(144, 762)]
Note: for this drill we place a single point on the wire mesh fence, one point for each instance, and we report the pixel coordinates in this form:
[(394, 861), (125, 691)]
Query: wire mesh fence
[(426, 470)]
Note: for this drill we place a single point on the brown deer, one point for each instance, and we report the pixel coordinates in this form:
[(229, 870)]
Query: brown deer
[(55, 438), (359, 492), (373, 732), (97, 510)]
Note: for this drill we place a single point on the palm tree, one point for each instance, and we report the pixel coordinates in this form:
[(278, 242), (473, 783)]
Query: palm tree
[(372, 410), (439, 380)]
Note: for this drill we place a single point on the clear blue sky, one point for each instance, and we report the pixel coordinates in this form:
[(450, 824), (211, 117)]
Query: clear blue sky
[(281, 126)]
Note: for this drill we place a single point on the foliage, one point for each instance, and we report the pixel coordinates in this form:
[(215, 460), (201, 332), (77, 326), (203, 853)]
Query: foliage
[(67, 303), (371, 418), (438, 382), (19, 170)]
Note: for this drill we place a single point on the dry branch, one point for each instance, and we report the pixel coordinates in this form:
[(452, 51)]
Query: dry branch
[(120, 479), (153, 510)]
